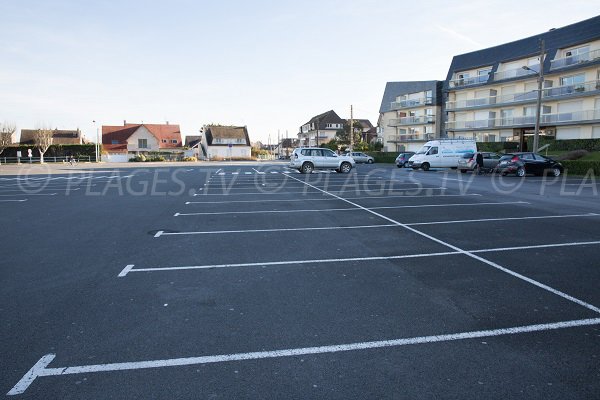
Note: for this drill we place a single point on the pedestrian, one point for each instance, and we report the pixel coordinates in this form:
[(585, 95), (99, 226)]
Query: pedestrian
[(479, 161)]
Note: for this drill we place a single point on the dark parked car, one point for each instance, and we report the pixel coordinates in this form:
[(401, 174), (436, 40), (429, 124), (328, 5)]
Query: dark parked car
[(402, 159), (521, 164), (468, 161)]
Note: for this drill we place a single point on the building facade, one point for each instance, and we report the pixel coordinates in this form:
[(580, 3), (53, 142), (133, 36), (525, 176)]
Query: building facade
[(492, 93), (320, 129), (410, 114), (123, 142), (222, 142), (59, 136)]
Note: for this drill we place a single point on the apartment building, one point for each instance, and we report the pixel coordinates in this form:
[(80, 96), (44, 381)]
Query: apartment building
[(320, 129), (492, 93), (410, 114)]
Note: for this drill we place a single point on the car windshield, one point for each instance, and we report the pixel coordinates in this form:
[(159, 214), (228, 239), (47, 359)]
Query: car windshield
[(423, 150), (467, 155)]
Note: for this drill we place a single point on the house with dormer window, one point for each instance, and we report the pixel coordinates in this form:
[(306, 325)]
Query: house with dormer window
[(225, 142), (124, 142)]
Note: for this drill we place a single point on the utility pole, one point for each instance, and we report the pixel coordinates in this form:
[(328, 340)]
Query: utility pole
[(317, 135), (536, 134), (351, 128)]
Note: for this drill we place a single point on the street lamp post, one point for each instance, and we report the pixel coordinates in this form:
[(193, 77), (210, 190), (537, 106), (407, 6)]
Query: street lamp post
[(97, 144), (540, 74)]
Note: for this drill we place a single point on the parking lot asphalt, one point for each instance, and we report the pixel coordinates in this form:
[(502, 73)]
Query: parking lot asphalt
[(255, 281)]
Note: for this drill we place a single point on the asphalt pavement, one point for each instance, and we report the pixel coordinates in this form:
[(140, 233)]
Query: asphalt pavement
[(251, 280)]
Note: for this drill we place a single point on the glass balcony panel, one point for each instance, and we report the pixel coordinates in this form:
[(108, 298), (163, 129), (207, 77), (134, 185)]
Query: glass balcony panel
[(575, 59)]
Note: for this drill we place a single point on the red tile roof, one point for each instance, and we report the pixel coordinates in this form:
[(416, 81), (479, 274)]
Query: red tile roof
[(120, 134)]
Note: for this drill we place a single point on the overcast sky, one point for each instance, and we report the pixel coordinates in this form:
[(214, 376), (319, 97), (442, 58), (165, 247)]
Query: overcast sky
[(270, 65)]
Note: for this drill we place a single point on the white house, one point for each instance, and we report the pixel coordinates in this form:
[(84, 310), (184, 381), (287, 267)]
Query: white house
[(220, 142)]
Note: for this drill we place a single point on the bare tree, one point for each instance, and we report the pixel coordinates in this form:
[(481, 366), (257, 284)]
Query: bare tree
[(42, 139), (6, 135)]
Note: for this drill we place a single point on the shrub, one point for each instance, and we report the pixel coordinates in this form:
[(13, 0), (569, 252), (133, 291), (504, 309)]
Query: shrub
[(573, 155), (578, 167), (383, 157), (189, 159), (138, 158), (568, 145)]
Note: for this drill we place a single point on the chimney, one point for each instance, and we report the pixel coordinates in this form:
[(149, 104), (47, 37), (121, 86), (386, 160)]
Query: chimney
[(124, 122), (167, 122)]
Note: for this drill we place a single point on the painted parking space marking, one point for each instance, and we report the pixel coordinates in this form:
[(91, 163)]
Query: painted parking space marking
[(13, 201), (40, 369), (505, 219), (350, 209), (304, 199), (324, 228), (475, 256), (130, 268), (28, 194)]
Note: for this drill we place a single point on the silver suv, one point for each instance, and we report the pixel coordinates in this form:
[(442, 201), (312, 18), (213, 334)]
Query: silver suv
[(307, 159)]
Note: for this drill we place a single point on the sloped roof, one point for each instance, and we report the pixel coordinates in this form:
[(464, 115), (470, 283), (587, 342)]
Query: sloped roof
[(328, 117), (59, 136), (395, 89), (213, 132), (365, 123), (120, 134), (555, 39), (191, 141)]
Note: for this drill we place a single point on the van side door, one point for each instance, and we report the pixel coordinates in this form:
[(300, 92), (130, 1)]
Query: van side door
[(434, 157)]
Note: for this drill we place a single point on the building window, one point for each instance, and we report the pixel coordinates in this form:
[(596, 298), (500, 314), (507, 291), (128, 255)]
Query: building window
[(143, 143), (164, 140), (174, 141), (572, 80), (577, 51), (114, 142)]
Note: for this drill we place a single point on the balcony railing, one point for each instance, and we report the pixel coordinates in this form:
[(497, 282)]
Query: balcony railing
[(575, 59), (528, 120), (548, 93), (474, 80), (396, 105), (516, 73), (420, 137), (416, 120)]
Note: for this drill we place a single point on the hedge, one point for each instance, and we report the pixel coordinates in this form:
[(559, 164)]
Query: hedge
[(568, 145), (56, 150), (578, 167), (383, 157)]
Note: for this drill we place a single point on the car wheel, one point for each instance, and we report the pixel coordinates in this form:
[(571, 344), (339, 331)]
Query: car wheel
[(307, 168), (345, 167), (556, 171), (369, 161), (521, 172), (399, 165), (405, 164), (425, 167), (464, 171)]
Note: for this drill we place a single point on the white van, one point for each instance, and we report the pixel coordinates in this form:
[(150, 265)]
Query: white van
[(443, 153)]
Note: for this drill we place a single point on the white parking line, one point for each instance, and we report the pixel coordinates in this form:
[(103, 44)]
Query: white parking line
[(130, 268), (351, 209), (41, 369), (317, 190), (474, 256), (503, 219), (330, 199), (28, 194), (13, 201), (259, 172), (327, 228)]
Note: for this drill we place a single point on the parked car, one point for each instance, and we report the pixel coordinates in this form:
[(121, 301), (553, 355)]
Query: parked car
[(307, 159), (361, 157), (468, 161), (521, 164), (402, 159)]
